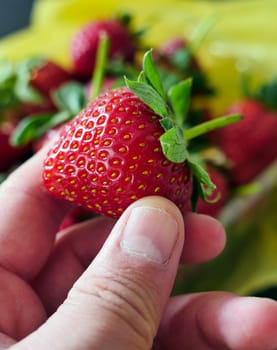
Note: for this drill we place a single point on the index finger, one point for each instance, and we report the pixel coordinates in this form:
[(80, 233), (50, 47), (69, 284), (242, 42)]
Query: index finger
[(29, 218)]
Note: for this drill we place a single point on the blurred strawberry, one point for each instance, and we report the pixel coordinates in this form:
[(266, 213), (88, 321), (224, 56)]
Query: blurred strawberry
[(250, 145), (77, 215), (176, 61), (85, 43), (26, 86), (48, 76), (39, 128)]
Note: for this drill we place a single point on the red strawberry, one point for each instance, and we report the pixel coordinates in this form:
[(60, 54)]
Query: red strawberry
[(48, 76), (77, 215), (45, 77), (110, 155), (85, 43), (122, 147), (250, 145), (218, 197), (28, 85)]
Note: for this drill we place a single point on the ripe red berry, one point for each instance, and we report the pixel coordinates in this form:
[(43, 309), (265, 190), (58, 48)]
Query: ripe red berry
[(129, 143), (249, 145), (110, 155), (85, 43), (48, 76)]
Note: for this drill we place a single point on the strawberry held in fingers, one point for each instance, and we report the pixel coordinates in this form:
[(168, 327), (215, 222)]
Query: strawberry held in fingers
[(110, 155), (126, 144)]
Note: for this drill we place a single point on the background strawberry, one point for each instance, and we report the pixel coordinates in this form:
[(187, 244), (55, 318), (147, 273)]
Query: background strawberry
[(48, 76), (250, 145), (126, 145), (86, 40), (176, 60)]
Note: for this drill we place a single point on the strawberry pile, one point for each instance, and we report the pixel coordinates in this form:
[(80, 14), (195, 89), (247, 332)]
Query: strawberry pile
[(124, 125)]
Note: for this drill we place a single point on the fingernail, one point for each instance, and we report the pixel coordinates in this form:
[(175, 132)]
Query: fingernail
[(150, 233)]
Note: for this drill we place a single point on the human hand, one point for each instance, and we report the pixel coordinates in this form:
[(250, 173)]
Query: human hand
[(58, 292)]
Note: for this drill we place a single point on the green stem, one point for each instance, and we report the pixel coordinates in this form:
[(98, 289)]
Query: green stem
[(210, 125), (201, 32), (100, 64)]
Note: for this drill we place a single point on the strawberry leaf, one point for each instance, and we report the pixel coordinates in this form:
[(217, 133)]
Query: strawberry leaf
[(27, 65), (149, 96), (34, 126), (207, 186), (29, 128), (179, 96), (267, 94), (6, 71), (70, 97), (174, 145), (152, 75), (24, 92)]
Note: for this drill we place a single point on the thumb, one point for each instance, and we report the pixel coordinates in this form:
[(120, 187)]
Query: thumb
[(118, 302)]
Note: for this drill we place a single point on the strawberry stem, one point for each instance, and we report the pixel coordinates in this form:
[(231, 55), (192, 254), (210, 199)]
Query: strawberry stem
[(100, 64), (210, 125), (201, 32)]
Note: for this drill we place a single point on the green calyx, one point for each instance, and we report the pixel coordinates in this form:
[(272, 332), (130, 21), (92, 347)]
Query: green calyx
[(265, 93), (69, 99), (173, 107), (14, 82)]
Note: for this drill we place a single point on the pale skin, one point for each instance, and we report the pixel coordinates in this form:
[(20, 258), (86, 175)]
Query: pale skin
[(66, 291)]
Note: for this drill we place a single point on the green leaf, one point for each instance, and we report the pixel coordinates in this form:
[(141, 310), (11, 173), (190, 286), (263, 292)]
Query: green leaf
[(179, 96), (28, 64), (24, 92), (34, 126), (207, 186), (149, 96), (201, 32), (70, 97), (141, 77), (181, 59), (28, 129), (267, 94), (174, 145), (58, 119), (22, 89), (6, 71), (152, 74)]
